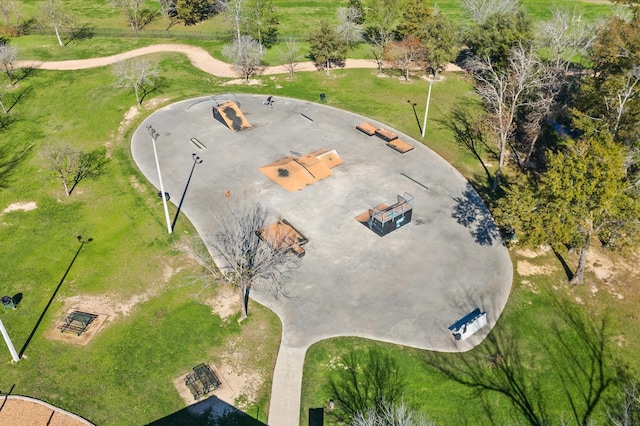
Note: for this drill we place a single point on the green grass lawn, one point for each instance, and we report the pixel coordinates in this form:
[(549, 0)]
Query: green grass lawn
[(130, 248), (124, 375)]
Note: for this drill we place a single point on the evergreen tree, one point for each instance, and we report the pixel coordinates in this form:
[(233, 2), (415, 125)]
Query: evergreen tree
[(414, 18), (582, 198), (327, 46)]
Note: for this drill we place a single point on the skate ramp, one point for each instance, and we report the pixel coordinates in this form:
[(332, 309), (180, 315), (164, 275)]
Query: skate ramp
[(229, 114), (294, 173)]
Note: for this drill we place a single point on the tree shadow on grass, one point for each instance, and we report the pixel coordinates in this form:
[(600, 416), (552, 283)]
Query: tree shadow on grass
[(9, 161), (575, 355), (468, 132), (15, 99)]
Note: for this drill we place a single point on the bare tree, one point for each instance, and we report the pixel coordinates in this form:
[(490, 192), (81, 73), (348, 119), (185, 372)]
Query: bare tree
[(261, 22), (504, 91), (627, 411), (169, 13), (137, 14), (381, 22), (406, 55), (348, 27), (628, 91), (480, 10), (8, 55), (54, 16), (245, 55), (290, 55), (398, 414), (246, 261), (233, 10), (72, 165), (136, 73), (564, 37), (364, 380), (10, 10)]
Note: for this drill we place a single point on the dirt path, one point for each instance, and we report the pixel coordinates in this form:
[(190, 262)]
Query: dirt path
[(199, 57)]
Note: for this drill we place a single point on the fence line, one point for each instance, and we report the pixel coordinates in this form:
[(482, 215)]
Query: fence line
[(168, 34)]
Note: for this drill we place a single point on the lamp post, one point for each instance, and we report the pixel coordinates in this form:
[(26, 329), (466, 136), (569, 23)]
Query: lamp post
[(154, 136), (426, 111), (7, 339)]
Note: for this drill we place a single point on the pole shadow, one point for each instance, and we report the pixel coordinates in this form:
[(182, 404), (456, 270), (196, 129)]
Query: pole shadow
[(196, 160), (46, 308), (415, 114), (6, 396)]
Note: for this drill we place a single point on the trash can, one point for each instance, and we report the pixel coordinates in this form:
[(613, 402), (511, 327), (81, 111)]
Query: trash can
[(323, 98), (7, 302)]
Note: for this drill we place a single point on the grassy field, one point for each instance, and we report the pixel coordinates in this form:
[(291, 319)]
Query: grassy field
[(296, 19), (124, 375)]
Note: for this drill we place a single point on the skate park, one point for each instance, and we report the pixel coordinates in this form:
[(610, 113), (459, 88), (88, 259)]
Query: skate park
[(406, 285)]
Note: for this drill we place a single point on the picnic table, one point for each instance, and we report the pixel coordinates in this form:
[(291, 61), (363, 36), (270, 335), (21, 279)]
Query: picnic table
[(77, 322), (201, 381)]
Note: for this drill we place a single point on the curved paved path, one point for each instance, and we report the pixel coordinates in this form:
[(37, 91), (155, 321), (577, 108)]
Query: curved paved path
[(404, 288), (199, 57)]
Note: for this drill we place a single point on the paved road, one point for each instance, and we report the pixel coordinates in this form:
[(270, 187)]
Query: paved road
[(405, 288)]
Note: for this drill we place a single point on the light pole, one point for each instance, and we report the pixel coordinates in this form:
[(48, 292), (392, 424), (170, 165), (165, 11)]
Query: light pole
[(426, 111), (154, 136), (7, 339)]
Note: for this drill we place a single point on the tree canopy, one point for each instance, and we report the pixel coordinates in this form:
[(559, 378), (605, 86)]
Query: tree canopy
[(583, 196), (327, 46), (498, 34)]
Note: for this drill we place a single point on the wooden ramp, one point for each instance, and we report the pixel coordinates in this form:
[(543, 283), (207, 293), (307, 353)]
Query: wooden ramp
[(230, 115), (295, 172)]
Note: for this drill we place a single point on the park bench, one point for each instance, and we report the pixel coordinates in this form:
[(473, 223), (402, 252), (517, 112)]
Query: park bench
[(399, 146), (387, 135), (367, 128)]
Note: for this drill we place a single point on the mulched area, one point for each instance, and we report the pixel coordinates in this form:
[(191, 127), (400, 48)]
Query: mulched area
[(23, 411)]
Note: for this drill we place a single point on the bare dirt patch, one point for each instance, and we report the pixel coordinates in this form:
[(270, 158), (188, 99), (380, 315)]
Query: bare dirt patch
[(71, 337), (136, 185), (252, 82), (225, 303), (526, 268), (531, 286), (25, 206), (108, 306), (234, 391), (532, 254), (135, 110)]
